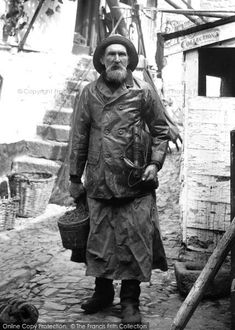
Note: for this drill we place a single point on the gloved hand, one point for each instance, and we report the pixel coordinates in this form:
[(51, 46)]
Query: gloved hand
[(76, 190), (150, 173)]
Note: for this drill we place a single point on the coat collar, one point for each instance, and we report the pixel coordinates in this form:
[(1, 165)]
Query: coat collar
[(122, 89)]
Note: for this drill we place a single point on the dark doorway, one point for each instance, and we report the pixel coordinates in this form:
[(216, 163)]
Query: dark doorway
[(217, 72)]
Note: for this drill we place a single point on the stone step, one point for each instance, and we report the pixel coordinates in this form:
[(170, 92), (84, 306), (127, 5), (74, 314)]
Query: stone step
[(75, 85), (86, 74), (58, 117), (32, 164), (54, 132), (65, 99), (52, 150)]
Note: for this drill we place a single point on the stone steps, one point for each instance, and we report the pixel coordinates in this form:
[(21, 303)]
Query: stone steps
[(74, 85), (89, 76), (33, 164), (58, 117), (48, 149), (65, 99), (58, 133), (47, 152)]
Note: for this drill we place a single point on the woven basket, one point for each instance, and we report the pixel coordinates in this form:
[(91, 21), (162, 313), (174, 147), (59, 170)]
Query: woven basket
[(33, 190), (8, 209), (74, 228)]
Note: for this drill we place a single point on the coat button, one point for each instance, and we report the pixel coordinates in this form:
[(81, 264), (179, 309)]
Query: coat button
[(106, 131), (121, 131)]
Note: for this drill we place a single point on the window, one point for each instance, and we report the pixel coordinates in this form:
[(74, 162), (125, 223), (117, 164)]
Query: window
[(217, 72), (213, 86)]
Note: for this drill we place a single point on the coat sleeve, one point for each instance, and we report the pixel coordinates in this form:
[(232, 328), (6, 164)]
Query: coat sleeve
[(154, 117), (80, 137)]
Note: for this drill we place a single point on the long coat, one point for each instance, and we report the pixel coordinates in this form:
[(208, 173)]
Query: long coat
[(103, 130), (124, 240)]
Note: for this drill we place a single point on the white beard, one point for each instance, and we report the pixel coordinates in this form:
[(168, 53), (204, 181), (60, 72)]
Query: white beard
[(116, 76)]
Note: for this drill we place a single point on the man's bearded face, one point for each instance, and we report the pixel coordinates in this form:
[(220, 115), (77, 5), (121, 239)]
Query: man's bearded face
[(115, 60)]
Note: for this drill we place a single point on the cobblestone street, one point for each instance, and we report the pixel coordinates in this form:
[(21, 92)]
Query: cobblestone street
[(35, 267)]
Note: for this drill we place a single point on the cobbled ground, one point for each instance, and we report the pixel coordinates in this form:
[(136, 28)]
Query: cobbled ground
[(35, 267)]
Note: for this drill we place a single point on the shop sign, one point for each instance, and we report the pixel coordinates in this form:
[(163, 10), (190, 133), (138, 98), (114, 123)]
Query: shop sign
[(193, 40), (199, 39)]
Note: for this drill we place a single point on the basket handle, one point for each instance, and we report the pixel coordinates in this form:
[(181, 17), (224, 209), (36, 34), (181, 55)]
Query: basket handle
[(22, 176), (8, 187)]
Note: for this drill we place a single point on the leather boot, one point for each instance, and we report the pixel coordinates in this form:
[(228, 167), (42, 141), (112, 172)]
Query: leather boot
[(129, 296), (101, 298)]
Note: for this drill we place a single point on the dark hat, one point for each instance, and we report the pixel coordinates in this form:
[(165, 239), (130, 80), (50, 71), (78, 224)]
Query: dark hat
[(115, 39)]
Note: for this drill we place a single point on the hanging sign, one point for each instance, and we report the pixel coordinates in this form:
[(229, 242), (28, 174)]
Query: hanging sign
[(199, 39), (190, 41)]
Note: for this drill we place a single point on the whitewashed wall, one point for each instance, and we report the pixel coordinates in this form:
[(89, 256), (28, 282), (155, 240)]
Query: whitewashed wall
[(31, 83), (205, 197)]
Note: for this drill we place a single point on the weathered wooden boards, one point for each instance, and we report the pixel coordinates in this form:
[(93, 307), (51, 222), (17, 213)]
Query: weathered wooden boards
[(206, 169)]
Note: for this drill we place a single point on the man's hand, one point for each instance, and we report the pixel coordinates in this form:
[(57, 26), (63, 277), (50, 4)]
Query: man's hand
[(76, 190), (150, 173)]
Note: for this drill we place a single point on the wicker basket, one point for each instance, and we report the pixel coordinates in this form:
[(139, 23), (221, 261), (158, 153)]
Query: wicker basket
[(8, 209), (33, 190), (74, 228)]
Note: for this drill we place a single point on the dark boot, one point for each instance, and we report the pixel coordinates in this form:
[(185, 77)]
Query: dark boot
[(129, 295), (102, 297)]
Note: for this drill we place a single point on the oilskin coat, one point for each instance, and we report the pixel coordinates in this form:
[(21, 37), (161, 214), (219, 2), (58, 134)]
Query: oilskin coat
[(102, 135), (103, 130)]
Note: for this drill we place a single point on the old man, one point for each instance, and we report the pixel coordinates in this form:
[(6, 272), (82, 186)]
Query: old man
[(120, 138)]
